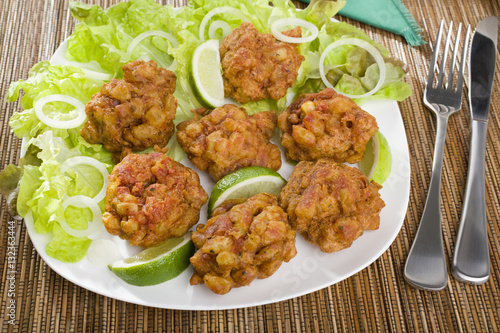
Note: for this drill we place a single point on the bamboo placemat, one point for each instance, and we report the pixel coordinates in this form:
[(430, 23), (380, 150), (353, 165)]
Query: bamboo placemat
[(377, 299)]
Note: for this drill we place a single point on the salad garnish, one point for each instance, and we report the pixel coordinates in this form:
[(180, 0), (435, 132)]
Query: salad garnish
[(280, 23), (55, 123), (58, 197)]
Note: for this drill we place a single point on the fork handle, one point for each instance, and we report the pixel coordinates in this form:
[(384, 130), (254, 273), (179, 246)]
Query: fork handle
[(426, 265), (471, 260)]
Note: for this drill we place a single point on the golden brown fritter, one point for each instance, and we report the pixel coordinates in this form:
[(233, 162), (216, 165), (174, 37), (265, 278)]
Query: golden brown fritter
[(228, 139), (326, 125), (242, 242), (135, 112), (150, 198), (257, 66), (331, 204)]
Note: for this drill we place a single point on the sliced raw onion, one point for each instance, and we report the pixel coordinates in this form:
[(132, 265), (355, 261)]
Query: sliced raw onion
[(62, 124), (82, 201), (292, 21), (216, 25), (151, 33), (219, 10), (103, 252), (360, 43), (97, 75), (77, 160)]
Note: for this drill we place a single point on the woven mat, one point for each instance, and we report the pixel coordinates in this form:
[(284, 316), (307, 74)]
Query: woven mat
[(377, 299)]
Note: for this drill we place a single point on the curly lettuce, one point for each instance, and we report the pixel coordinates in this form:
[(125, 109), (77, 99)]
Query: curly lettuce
[(350, 69), (43, 188), (102, 38)]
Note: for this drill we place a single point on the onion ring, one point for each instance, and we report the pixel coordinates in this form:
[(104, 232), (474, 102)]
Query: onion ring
[(360, 43), (151, 33), (215, 11), (82, 201), (77, 160), (133, 44), (61, 124), (216, 25), (293, 21)]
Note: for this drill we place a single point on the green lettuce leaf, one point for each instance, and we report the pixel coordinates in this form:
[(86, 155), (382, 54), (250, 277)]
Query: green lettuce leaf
[(350, 69), (257, 12), (43, 189), (10, 178), (102, 39), (45, 80), (104, 35)]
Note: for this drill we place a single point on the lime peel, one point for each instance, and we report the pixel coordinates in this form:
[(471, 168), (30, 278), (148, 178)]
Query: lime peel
[(157, 264), (243, 183), (377, 161), (206, 74)]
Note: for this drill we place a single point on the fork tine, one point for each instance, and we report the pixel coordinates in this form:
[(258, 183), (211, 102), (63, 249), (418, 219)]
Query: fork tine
[(432, 67), (445, 56), (460, 80), (449, 81)]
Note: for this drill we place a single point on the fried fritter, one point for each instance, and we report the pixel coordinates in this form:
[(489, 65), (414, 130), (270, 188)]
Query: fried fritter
[(151, 198), (242, 242), (257, 66), (331, 204), (326, 125), (227, 139), (135, 112)]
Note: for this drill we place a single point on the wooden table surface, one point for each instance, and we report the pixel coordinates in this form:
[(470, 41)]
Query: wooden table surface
[(377, 299)]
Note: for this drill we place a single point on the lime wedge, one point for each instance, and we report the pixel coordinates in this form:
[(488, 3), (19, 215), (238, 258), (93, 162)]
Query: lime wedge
[(377, 161), (243, 183), (206, 74), (156, 264)]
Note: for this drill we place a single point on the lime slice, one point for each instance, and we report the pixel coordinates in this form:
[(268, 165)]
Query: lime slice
[(243, 183), (377, 162), (206, 74), (156, 264)]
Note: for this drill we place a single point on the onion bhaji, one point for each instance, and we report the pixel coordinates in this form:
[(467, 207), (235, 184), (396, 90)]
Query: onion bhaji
[(326, 125), (257, 66), (228, 138), (135, 112), (150, 198), (242, 242), (331, 204)]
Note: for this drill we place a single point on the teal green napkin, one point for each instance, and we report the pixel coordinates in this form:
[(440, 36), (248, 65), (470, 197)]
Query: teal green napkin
[(390, 15)]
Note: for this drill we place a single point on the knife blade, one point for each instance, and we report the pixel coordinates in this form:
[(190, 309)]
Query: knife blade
[(482, 67), (471, 261)]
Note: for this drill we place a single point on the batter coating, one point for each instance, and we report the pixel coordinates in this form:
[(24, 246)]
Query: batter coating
[(133, 113), (257, 66), (151, 198), (227, 139), (326, 125), (242, 242), (331, 204)]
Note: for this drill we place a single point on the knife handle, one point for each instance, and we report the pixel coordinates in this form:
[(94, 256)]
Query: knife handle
[(471, 260)]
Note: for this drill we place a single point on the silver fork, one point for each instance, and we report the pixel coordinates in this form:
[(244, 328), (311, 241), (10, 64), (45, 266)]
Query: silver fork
[(426, 265)]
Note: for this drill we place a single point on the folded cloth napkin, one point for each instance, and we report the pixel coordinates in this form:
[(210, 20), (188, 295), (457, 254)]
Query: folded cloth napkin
[(390, 15)]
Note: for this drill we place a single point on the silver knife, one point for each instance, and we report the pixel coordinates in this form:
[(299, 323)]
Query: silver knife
[(471, 260)]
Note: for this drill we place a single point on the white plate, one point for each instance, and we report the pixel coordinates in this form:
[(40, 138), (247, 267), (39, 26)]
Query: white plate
[(309, 271)]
